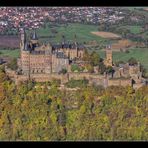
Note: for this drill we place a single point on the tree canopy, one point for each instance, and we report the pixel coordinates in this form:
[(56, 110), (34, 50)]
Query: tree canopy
[(41, 111)]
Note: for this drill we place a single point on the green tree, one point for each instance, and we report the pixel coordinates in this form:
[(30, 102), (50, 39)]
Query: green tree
[(75, 68), (63, 71), (95, 58), (132, 61), (86, 56), (13, 64)]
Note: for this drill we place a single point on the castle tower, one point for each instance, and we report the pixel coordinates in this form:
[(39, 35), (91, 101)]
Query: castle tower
[(23, 39), (108, 61), (63, 40), (138, 64), (76, 45), (48, 59)]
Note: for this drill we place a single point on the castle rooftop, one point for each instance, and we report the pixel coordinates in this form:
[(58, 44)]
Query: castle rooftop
[(34, 36)]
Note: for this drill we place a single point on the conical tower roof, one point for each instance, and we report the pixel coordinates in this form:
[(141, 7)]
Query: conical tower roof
[(26, 46), (34, 35)]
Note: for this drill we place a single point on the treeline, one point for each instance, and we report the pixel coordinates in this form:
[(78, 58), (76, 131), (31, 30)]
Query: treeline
[(40, 111)]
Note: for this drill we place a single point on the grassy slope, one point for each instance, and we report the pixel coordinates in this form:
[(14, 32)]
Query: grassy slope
[(10, 53), (82, 32), (134, 29)]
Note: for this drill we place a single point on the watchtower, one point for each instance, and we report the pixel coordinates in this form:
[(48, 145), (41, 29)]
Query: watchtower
[(109, 60)]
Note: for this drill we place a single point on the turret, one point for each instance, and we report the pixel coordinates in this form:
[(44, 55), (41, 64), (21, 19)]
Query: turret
[(34, 38), (63, 39), (26, 46), (76, 45), (138, 64), (23, 39), (108, 61)]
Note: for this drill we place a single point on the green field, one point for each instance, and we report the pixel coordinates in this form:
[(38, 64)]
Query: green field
[(134, 29), (141, 54), (82, 32), (9, 53)]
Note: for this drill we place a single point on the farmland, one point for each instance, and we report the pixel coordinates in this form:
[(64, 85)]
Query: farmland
[(82, 31), (9, 41), (107, 35), (133, 29)]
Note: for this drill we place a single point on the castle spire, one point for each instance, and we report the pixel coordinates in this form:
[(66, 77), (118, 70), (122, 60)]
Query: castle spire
[(26, 46), (63, 39), (34, 35), (23, 38), (75, 38), (76, 45)]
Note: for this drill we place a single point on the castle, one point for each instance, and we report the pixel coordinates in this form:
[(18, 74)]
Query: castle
[(37, 58), (43, 62)]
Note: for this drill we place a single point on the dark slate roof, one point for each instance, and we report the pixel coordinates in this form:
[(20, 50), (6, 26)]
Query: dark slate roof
[(56, 46), (26, 46), (73, 46), (37, 52), (61, 55), (70, 45), (80, 46), (29, 48), (66, 45), (34, 36)]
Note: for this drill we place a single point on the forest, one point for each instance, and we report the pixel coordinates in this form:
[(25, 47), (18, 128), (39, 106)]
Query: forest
[(41, 111)]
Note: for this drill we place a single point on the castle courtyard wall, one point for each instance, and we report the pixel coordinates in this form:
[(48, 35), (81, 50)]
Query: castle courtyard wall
[(119, 82), (93, 78)]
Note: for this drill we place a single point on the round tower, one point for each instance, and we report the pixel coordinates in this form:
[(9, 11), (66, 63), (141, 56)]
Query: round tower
[(108, 60), (23, 39)]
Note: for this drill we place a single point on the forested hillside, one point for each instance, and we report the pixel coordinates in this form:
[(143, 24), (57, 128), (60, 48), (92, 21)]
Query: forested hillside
[(35, 111)]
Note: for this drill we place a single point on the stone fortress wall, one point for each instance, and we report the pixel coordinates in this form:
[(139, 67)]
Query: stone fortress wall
[(93, 78)]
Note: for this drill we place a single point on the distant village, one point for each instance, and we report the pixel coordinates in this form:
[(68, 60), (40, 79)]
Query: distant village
[(34, 17)]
